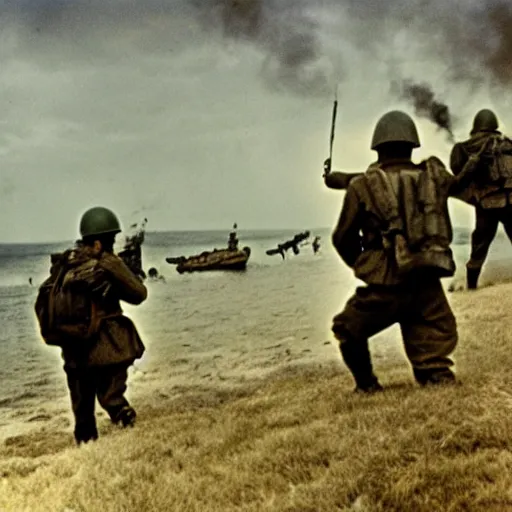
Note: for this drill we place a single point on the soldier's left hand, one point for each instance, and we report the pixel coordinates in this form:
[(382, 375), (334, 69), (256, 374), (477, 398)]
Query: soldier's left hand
[(327, 167)]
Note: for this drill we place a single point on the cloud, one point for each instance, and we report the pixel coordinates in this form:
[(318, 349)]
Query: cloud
[(199, 110)]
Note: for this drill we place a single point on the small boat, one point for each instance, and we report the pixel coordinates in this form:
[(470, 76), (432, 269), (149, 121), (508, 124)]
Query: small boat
[(231, 258), (218, 259)]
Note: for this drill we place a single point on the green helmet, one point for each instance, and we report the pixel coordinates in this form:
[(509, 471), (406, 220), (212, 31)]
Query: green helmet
[(395, 126), (485, 121), (99, 221)]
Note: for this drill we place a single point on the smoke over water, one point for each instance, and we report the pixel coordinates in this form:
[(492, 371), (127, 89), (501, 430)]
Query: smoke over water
[(425, 104)]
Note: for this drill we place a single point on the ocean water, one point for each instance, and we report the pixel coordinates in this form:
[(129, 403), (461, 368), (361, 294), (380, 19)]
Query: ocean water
[(201, 330)]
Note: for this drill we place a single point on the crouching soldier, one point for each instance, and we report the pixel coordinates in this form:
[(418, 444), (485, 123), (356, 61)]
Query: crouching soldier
[(395, 233), (78, 310)]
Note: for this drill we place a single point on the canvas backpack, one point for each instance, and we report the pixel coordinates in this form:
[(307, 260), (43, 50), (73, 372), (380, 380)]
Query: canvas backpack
[(65, 307), (495, 156), (412, 207)]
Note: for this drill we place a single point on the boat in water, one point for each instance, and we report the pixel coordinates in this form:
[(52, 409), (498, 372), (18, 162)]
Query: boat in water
[(230, 258)]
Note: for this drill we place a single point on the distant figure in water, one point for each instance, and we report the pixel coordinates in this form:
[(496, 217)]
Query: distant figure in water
[(154, 275), (233, 240), (30, 281), (316, 244)]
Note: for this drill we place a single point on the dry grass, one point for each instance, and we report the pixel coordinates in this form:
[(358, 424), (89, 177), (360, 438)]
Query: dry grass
[(299, 441)]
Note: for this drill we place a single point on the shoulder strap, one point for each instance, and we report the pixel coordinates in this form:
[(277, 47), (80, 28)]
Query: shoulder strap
[(51, 296), (386, 201)]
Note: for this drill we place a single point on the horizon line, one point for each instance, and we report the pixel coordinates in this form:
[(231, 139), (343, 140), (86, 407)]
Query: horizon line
[(47, 242), (216, 230)]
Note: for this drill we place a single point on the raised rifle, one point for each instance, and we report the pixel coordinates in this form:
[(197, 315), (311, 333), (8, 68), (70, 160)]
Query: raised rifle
[(327, 163)]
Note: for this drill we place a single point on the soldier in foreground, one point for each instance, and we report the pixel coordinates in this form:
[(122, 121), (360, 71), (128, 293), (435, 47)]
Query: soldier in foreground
[(491, 187), (78, 310), (395, 233)]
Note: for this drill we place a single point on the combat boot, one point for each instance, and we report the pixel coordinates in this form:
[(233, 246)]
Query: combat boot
[(356, 356), (126, 416), (85, 432), (434, 376), (368, 386), (472, 275)]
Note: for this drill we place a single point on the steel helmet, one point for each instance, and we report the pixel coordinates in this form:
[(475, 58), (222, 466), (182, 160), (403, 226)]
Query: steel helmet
[(485, 121), (99, 221), (395, 126)]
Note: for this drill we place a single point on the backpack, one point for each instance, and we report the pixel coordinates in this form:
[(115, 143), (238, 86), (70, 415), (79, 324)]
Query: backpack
[(412, 207), (501, 165), (65, 307), (495, 156)]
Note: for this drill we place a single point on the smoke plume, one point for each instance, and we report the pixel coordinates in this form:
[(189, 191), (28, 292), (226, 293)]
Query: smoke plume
[(306, 44), (425, 105)]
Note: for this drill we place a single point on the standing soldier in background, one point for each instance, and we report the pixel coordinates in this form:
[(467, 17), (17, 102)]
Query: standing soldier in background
[(491, 187), (78, 310), (132, 252), (395, 233), (233, 240), (316, 244)]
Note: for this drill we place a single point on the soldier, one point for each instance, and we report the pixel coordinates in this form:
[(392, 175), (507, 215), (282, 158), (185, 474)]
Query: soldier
[(394, 232), (78, 310), (491, 187), (132, 252), (316, 244), (233, 240)]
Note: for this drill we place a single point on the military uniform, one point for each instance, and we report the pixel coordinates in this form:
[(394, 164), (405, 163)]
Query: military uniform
[(492, 201), (98, 367), (415, 300)]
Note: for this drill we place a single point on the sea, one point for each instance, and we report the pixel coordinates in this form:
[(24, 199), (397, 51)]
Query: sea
[(201, 330)]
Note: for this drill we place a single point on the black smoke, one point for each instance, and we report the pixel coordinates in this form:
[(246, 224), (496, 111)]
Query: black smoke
[(425, 104), (472, 38)]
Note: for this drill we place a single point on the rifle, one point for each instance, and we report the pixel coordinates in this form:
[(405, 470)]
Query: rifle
[(327, 163)]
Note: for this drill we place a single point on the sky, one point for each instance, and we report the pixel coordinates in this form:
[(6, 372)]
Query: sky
[(199, 113)]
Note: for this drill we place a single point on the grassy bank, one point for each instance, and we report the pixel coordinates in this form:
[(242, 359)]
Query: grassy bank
[(298, 441)]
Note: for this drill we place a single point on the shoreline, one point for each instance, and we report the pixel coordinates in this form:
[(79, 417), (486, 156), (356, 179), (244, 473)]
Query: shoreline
[(297, 439)]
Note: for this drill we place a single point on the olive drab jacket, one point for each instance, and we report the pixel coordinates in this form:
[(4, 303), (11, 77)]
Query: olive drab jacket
[(109, 281), (491, 183), (395, 220)]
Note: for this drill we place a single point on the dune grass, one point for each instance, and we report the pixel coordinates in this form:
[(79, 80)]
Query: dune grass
[(299, 440)]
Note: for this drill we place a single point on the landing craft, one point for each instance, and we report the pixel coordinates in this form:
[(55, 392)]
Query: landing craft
[(230, 258)]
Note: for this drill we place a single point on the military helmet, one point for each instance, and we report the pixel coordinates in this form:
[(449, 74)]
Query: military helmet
[(99, 221), (485, 121), (395, 126)]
